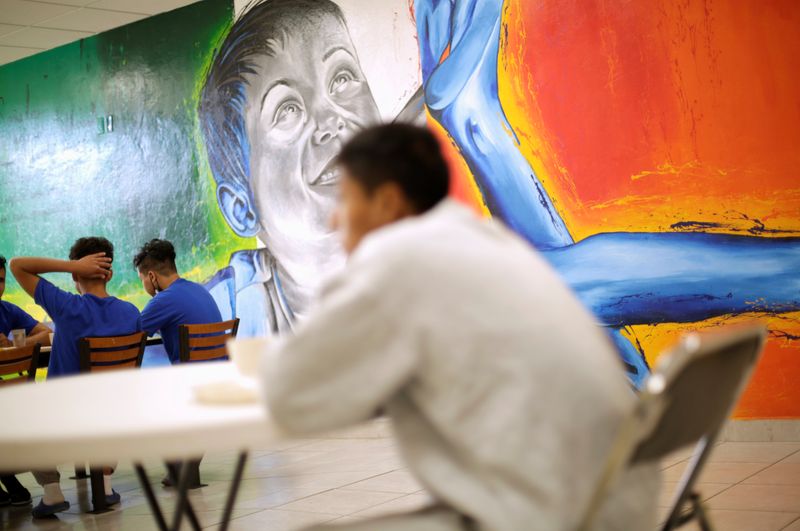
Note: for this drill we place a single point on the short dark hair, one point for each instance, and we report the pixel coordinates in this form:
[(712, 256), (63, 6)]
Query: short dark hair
[(404, 154), (156, 255), (223, 98), (91, 245), (2, 262)]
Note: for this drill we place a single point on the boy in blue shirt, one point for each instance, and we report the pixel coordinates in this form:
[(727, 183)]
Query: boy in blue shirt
[(92, 313), (13, 317), (176, 301)]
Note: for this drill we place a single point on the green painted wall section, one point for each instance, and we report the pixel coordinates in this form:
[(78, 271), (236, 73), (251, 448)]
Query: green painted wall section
[(61, 178)]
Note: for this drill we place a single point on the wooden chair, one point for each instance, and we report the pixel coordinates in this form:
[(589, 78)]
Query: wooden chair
[(202, 342), (99, 354), (19, 362), (111, 353), (18, 365), (206, 342)]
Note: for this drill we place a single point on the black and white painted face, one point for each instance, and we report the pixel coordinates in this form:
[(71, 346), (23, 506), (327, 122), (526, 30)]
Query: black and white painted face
[(309, 97)]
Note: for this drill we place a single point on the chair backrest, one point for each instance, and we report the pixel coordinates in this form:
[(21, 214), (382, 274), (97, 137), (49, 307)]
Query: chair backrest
[(687, 399), (206, 342), (21, 362), (111, 353), (698, 384)]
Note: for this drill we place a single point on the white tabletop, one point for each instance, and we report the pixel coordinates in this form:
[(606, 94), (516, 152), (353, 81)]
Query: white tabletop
[(125, 415)]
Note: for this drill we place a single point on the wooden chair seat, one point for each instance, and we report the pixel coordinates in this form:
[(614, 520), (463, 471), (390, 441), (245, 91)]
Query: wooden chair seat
[(99, 354), (18, 364), (111, 353), (206, 342)]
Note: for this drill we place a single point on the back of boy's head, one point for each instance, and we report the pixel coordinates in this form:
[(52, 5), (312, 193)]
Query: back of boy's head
[(91, 245), (157, 256), (407, 155), (2, 262)]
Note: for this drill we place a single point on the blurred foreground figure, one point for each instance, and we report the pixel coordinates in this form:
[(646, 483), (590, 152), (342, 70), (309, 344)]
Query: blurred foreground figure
[(503, 394)]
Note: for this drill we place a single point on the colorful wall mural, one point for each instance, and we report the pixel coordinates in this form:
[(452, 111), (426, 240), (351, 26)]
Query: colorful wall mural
[(285, 91), (647, 150), (63, 176)]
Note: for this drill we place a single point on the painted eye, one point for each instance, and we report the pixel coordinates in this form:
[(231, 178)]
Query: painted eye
[(341, 82), (288, 115)]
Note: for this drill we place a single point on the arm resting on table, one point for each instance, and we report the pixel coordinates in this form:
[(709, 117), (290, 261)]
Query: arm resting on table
[(344, 361)]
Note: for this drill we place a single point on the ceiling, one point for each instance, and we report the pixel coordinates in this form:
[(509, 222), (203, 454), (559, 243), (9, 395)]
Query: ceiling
[(28, 27)]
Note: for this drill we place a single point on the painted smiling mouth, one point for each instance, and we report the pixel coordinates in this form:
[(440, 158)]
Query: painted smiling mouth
[(328, 176)]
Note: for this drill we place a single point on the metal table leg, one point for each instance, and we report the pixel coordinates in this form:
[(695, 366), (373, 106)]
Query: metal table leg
[(183, 505), (155, 508), (99, 504), (237, 480)]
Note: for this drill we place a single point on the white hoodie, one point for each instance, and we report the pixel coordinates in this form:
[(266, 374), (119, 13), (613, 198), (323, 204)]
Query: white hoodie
[(503, 393)]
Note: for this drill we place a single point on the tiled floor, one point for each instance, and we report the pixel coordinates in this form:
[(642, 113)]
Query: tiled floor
[(749, 486)]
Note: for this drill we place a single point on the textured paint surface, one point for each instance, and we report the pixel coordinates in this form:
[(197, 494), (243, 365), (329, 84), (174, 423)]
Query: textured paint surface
[(645, 118), (592, 128), (658, 116), (60, 178), (274, 117), (625, 104)]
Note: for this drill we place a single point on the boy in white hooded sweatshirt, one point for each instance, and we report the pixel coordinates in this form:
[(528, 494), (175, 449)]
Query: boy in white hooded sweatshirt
[(503, 393)]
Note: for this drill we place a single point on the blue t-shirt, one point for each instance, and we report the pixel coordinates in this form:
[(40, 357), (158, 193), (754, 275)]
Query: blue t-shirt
[(12, 317), (77, 316), (183, 302)]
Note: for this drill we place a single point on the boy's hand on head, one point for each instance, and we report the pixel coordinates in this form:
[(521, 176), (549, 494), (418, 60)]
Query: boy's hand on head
[(96, 265)]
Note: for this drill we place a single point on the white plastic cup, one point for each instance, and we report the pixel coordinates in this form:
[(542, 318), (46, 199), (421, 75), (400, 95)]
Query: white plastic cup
[(52, 335), (18, 336), (246, 354)]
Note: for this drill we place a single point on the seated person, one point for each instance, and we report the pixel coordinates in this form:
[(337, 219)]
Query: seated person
[(176, 301), (13, 317), (504, 394), (92, 313)]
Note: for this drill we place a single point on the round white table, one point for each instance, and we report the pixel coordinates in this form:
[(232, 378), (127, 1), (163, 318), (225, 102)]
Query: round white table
[(129, 415)]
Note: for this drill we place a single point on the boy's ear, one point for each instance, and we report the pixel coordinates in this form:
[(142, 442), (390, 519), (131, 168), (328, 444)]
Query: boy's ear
[(237, 209), (390, 201)]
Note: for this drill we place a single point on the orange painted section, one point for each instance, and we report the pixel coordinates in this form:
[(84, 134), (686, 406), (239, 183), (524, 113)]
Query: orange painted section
[(640, 115)]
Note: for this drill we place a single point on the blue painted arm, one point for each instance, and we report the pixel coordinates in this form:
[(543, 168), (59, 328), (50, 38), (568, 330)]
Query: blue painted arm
[(637, 278), (461, 93), (626, 278)]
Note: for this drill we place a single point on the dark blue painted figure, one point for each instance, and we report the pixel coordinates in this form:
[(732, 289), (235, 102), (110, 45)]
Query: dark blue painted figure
[(624, 278)]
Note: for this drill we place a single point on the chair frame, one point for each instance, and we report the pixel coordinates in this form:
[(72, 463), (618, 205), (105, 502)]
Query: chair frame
[(21, 354), (214, 343), (223, 330), (647, 413), (88, 346)]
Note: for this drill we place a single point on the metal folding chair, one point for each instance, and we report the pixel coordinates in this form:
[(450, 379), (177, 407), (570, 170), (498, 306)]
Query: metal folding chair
[(686, 400)]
